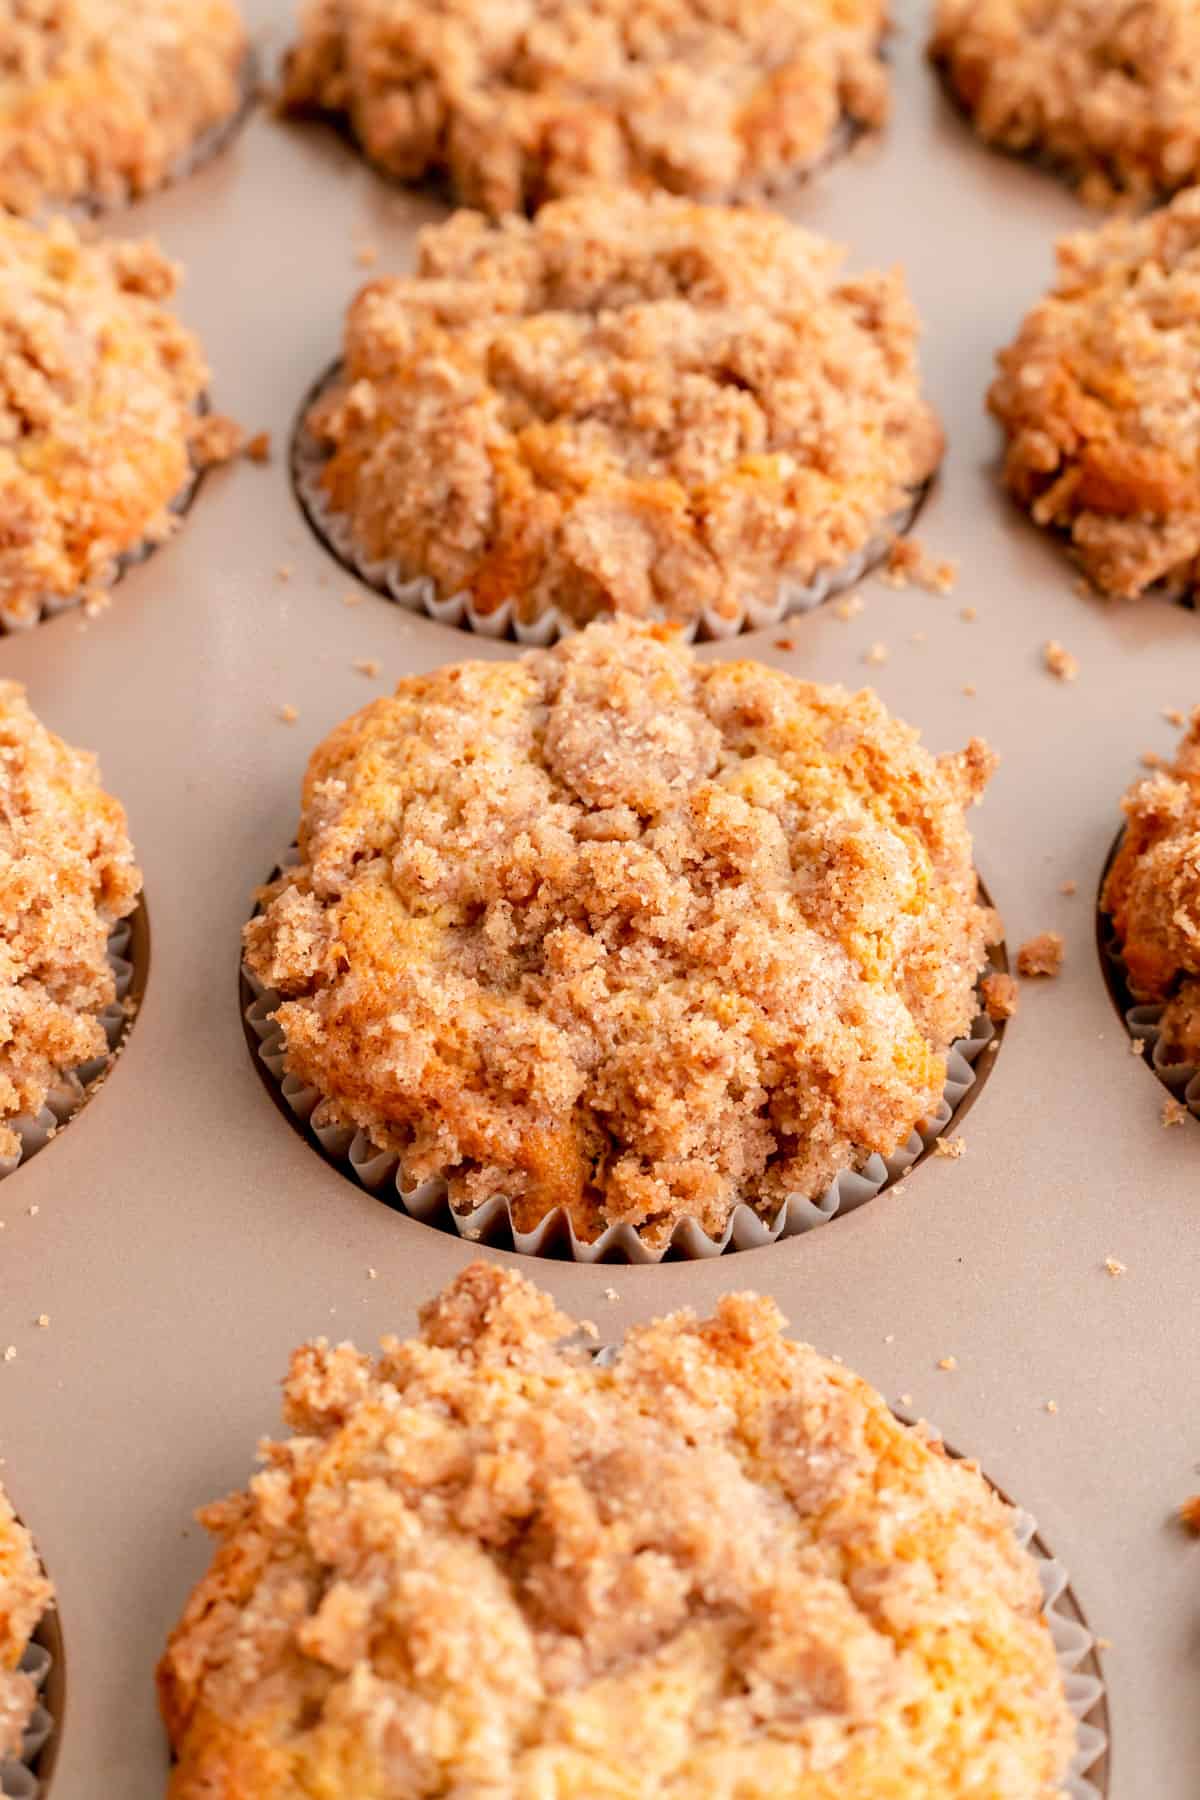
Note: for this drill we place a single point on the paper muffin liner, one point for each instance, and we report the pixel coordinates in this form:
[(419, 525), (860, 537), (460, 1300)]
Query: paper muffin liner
[(420, 594), (1142, 1015), (64, 1100), (378, 1171), (18, 1780)]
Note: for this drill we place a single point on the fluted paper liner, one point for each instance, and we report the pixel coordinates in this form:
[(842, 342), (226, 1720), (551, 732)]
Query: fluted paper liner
[(1144, 1018), (420, 594), (36, 1129), (17, 1779)]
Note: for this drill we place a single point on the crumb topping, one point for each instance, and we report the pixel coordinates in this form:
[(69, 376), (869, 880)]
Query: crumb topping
[(618, 930), (1059, 660), (98, 385), (1153, 895), (66, 876), (629, 405), (1041, 955), (1001, 996), (719, 1566), (1098, 399), (530, 100), (1106, 91), (100, 99), (25, 1596)]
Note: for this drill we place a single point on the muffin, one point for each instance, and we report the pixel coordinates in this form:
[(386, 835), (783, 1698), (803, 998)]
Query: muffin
[(25, 1596), (521, 104), (485, 1564), (1104, 91), (1098, 400), (626, 405), (619, 932), (67, 876), (1152, 893), (99, 385), (103, 99)]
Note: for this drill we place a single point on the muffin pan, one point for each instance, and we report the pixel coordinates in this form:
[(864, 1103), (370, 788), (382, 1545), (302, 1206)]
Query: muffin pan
[(182, 1237)]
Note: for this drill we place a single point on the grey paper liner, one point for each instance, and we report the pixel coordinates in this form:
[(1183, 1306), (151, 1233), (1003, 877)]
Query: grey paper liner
[(35, 1130), (420, 594), (1142, 1021), (17, 1779), (378, 1171)]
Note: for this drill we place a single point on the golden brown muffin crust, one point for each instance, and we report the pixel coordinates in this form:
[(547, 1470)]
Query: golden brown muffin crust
[(717, 1568), (617, 930), (1098, 398), (521, 101), (102, 98), (628, 405), (1153, 895), (25, 1595), (67, 876), (1108, 91), (98, 385)]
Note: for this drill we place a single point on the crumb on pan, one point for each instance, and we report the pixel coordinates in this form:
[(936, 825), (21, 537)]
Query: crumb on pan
[(287, 714), (25, 1597), (98, 104), (1041, 955), (1174, 1112), (216, 438), (482, 1562), (849, 607), (714, 99), (98, 385), (1097, 398), (1001, 996), (1137, 1046), (626, 405), (258, 447), (954, 1148), (1068, 888), (616, 929), (908, 561), (1115, 1267), (368, 665), (877, 654), (1059, 661), (1102, 90)]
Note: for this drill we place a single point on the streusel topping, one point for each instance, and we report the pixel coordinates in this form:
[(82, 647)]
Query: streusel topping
[(101, 98), (1100, 398), (1153, 894), (617, 930), (25, 1596), (67, 876), (628, 405), (717, 1568), (98, 385), (522, 102), (1106, 90)]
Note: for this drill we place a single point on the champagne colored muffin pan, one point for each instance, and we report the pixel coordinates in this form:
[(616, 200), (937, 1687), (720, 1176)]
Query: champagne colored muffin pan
[(181, 1237)]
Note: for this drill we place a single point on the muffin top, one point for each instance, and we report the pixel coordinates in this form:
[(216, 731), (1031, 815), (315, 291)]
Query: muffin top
[(98, 385), (1105, 90), (520, 103), (1153, 894), (1100, 398), (632, 405), (101, 98), (25, 1595), (66, 876), (615, 930), (717, 1567)]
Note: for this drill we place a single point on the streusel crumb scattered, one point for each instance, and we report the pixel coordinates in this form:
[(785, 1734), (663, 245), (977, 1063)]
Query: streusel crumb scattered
[(1059, 661), (66, 876), (620, 930), (1041, 955), (1106, 91), (484, 1564), (1068, 888), (216, 438), (908, 561), (288, 714), (1153, 895), (103, 98), (950, 1147), (1115, 1266), (1098, 398), (1174, 1112), (258, 448), (98, 384), (25, 1597), (1174, 716), (1001, 996), (849, 607), (715, 99), (1137, 1046), (627, 405)]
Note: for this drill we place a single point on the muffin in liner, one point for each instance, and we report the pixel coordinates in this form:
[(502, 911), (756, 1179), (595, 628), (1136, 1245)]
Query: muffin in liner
[(1141, 1014), (378, 1171), (335, 532)]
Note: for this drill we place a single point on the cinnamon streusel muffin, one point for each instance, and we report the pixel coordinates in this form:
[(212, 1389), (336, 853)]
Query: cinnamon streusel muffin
[(1107, 91), (617, 931), (101, 99), (1100, 399), (25, 1596), (67, 876), (525, 102), (718, 1567), (625, 405), (98, 389), (1153, 895)]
